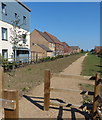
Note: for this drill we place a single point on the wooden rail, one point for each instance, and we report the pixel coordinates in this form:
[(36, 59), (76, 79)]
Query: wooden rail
[(96, 94)]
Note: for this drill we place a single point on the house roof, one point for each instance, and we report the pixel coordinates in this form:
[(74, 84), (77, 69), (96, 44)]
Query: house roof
[(23, 5), (98, 47), (45, 36), (44, 47), (54, 39), (65, 44), (75, 47)]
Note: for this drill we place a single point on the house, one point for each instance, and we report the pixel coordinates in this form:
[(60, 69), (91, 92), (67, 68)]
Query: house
[(14, 27), (75, 49), (97, 49), (59, 47), (41, 44), (67, 49), (40, 51)]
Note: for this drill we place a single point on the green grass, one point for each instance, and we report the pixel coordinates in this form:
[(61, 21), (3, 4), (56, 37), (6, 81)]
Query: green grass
[(87, 87), (91, 65), (28, 77)]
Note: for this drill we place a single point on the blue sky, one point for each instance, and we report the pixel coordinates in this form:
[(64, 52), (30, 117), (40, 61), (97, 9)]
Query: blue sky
[(77, 23)]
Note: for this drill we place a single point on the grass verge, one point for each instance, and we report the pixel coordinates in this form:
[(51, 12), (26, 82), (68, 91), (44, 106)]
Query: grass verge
[(91, 65)]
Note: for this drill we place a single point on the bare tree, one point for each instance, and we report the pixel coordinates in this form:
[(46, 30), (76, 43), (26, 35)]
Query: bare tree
[(17, 37)]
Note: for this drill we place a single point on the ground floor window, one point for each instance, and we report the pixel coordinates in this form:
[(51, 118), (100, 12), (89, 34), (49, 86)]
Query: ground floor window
[(5, 53)]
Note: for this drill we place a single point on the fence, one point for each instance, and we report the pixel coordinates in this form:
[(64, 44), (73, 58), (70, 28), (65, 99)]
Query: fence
[(97, 100), (8, 100)]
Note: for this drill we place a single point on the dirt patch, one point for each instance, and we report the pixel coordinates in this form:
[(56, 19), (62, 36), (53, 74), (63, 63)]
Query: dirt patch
[(35, 101), (26, 78)]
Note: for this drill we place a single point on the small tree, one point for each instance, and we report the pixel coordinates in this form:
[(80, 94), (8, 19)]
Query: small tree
[(18, 37), (0, 59)]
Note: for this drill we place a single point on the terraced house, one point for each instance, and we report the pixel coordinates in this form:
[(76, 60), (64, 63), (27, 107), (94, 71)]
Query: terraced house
[(41, 45), (14, 29), (59, 47)]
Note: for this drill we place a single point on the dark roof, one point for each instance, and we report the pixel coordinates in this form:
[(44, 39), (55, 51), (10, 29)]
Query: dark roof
[(54, 39), (23, 5), (45, 36), (44, 47), (75, 47), (64, 43)]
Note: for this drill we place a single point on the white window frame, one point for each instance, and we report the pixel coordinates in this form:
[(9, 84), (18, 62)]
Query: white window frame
[(4, 9), (4, 37)]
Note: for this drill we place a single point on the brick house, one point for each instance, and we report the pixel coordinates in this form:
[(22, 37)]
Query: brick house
[(59, 47), (75, 49), (97, 49), (41, 44), (67, 49)]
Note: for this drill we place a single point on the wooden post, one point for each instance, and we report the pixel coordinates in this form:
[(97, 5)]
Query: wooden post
[(47, 90), (96, 96), (11, 95)]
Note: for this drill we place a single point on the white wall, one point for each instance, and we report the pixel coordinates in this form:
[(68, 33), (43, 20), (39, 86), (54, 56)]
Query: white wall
[(7, 44)]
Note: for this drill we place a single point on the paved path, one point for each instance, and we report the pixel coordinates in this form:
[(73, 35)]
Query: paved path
[(32, 106)]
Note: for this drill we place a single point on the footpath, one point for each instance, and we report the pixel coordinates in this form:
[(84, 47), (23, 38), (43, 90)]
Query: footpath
[(32, 105)]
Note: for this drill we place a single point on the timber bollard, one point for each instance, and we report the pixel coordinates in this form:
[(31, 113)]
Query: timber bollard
[(47, 90), (96, 96), (13, 96)]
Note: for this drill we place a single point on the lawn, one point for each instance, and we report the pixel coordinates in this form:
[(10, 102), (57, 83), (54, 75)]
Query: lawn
[(26, 78), (91, 65)]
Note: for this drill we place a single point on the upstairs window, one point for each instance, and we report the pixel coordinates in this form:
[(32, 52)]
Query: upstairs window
[(4, 8), (15, 15), (4, 34), (24, 20)]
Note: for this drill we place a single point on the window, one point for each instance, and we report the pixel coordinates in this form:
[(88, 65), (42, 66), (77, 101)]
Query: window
[(24, 20), (5, 53), (4, 8), (15, 15), (4, 34)]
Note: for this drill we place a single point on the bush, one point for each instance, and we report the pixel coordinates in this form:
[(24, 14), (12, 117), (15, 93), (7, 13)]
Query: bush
[(0, 59)]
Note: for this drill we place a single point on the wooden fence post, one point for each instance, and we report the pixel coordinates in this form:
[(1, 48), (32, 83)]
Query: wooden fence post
[(96, 96), (11, 95), (47, 90)]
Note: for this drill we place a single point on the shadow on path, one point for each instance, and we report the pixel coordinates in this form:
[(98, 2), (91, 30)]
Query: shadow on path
[(60, 109)]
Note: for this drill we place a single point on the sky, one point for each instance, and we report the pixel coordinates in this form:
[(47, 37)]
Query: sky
[(76, 23)]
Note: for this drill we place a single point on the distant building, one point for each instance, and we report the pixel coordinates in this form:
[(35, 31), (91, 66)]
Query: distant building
[(67, 49), (8, 13), (97, 49), (59, 47), (75, 49), (41, 44)]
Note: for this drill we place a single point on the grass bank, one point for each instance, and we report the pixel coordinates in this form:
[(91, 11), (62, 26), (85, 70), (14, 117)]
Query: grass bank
[(91, 65), (26, 78)]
